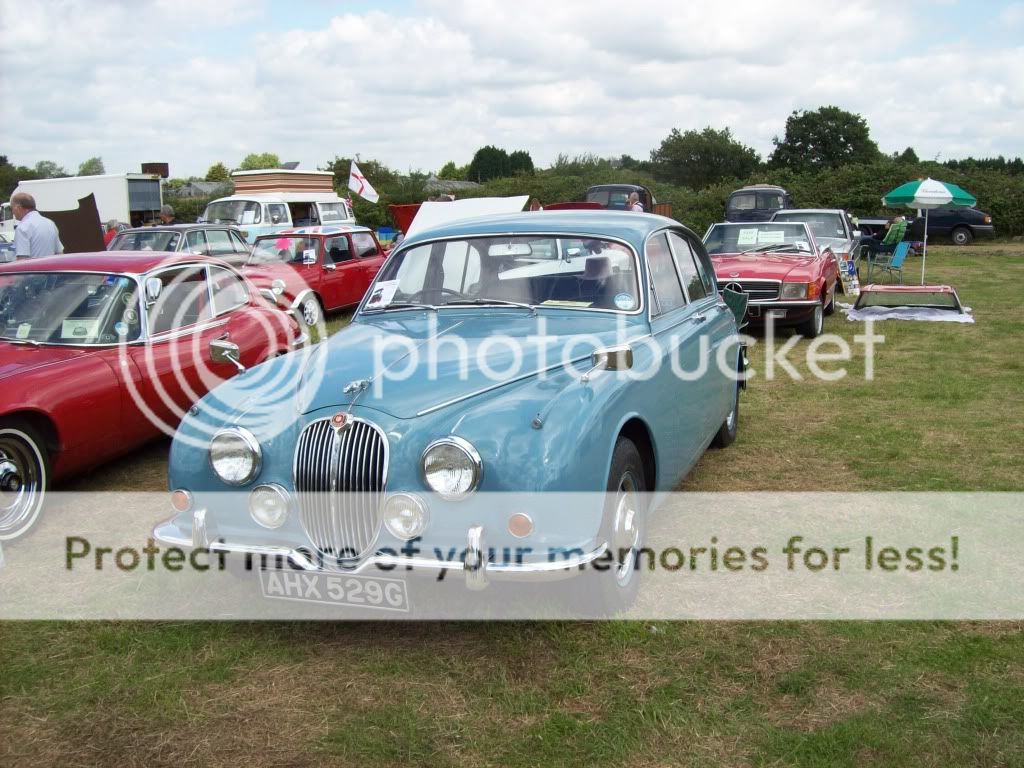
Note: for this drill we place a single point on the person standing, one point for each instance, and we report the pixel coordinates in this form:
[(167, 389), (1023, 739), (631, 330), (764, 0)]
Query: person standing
[(167, 216), (634, 203), (111, 232), (35, 234)]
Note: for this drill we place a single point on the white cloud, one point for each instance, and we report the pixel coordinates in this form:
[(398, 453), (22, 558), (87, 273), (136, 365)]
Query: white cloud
[(192, 83)]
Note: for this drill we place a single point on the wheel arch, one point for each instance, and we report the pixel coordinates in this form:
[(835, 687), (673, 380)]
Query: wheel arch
[(636, 431), (41, 423)]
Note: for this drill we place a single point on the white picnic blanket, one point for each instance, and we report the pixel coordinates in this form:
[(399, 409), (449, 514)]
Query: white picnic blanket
[(906, 313)]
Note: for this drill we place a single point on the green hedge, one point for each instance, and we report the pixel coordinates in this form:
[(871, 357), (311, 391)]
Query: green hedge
[(857, 188)]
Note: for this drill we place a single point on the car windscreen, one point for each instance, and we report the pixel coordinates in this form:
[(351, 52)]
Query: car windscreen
[(146, 240), (69, 308), (752, 237), (821, 224), (332, 212), (539, 271), (232, 212), (282, 248)]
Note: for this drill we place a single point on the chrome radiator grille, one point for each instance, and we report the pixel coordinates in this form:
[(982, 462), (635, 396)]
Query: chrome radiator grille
[(756, 290), (339, 482)]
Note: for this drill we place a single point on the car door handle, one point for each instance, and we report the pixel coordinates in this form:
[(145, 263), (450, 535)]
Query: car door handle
[(698, 317), (330, 267)]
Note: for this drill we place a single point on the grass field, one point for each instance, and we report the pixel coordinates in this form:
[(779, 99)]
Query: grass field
[(944, 413)]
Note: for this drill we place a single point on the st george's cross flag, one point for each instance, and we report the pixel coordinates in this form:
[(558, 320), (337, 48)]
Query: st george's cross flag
[(358, 184)]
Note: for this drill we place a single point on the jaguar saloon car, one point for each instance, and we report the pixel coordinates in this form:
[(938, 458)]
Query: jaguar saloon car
[(790, 279), (316, 269), (100, 352), (470, 374)]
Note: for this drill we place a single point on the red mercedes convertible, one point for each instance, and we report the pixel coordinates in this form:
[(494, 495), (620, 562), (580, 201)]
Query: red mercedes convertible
[(789, 278), (100, 352)]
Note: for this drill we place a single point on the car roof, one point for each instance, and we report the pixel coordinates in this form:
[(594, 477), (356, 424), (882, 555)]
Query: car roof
[(177, 227), (322, 230), (123, 262), (615, 186), (632, 227), (787, 211), (759, 188)]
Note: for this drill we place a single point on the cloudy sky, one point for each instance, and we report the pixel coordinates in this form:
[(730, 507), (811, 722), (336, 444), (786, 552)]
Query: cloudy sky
[(414, 84)]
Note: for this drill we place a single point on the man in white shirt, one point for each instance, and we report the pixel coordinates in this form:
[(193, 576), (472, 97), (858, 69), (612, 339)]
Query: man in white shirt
[(35, 234)]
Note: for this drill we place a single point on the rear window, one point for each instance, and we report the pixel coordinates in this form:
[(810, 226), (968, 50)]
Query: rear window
[(744, 202)]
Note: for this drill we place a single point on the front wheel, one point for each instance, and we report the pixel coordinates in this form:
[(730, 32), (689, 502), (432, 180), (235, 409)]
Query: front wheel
[(24, 474), (312, 312), (962, 236), (811, 328)]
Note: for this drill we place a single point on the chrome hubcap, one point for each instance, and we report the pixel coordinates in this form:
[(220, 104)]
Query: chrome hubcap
[(310, 312), (20, 484), (625, 539)]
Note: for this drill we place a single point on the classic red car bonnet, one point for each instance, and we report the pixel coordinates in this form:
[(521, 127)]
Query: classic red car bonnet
[(17, 358), (764, 265)]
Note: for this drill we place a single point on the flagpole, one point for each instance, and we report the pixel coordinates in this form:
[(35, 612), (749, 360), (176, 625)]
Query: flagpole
[(924, 256)]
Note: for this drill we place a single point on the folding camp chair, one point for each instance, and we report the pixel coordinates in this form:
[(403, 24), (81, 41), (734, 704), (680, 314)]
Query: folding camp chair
[(891, 264), (737, 303)]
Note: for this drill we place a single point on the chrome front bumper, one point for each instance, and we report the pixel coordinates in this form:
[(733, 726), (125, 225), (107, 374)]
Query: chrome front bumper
[(476, 568)]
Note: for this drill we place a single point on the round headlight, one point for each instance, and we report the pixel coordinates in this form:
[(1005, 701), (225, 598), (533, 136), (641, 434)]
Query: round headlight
[(452, 467), (277, 287), (405, 516), (268, 505), (235, 455)]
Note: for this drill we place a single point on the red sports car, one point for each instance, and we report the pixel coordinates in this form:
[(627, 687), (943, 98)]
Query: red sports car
[(100, 352), (787, 275), (312, 269)]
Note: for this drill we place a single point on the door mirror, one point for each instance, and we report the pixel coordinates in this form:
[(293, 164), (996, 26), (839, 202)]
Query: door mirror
[(223, 351), (153, 287)]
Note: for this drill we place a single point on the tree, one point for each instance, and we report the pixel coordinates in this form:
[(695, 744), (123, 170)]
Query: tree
[(91, 167), (489, 163), (453, 172), (257, 161), (825, 138), (520, 162), (908, 155), (47, 169), (218, 172), (698, 159)]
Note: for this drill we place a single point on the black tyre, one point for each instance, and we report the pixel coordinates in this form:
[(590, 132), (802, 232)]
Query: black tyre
[(830, 308), (726, 434), (612, 590), (24, 477), (962, 236), (811, 328)]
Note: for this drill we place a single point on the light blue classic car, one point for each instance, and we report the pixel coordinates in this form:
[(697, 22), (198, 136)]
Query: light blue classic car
[(496, 368)]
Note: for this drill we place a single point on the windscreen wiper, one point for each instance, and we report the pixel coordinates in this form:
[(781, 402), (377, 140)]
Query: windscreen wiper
[(399, 305), (484, 302), (772, 247)]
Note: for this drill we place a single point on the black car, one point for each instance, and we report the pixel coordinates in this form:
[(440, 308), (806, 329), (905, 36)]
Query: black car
[(220, 240), (756, 203), (959, 225), (616, 196)]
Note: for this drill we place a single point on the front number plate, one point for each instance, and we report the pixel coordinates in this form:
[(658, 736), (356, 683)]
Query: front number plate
[(335, 589)]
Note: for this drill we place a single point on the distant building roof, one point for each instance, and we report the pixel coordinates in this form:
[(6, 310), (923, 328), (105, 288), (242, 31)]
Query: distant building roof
[(200, 188)]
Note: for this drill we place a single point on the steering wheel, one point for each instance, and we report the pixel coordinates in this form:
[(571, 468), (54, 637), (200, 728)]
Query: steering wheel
[(443, 291)]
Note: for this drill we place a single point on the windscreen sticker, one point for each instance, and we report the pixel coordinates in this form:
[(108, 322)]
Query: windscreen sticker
[(747, 237), (625, 301), (79, 328), (24, 330), (771, 236), (309, 254), (382, 294)]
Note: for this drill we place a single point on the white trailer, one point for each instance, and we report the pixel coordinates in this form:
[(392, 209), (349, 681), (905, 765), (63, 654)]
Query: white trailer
[(132, 198)]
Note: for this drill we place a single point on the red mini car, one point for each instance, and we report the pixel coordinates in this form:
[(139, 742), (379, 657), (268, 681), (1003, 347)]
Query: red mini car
[(787, 275), (312, 269), (100, 352)]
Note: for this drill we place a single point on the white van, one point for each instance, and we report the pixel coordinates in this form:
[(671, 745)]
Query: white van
[(268, 201)]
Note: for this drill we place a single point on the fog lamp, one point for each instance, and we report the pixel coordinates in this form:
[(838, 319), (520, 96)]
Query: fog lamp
[(268, 505), (405, 516)]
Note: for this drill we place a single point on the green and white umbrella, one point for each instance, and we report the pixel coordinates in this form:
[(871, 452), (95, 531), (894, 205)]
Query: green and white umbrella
[(927, 194)]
